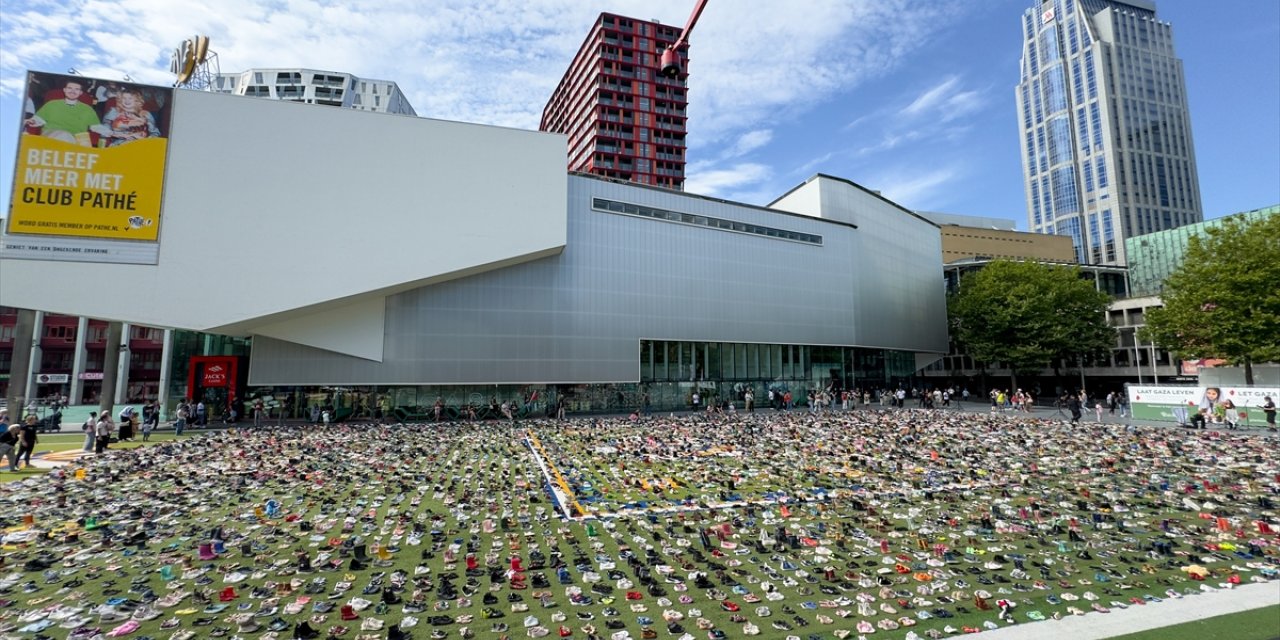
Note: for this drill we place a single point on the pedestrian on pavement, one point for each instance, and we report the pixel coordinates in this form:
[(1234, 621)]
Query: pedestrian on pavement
[(27, 438), (184, 414), (8, 444), (102, 431), (90, 431)]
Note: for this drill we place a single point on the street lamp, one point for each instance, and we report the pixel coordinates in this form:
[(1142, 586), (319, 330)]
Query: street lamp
[(671, 56)]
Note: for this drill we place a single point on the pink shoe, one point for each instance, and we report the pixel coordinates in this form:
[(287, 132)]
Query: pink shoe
[(124, 629)]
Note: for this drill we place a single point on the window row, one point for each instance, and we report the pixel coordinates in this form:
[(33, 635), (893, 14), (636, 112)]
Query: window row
[(626, 208)]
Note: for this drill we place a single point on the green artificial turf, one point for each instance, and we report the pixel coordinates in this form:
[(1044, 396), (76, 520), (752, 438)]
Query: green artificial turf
[(1256, 624), (54, 443)]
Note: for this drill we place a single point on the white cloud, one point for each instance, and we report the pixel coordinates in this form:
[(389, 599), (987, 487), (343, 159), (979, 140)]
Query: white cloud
[(929, 100), (814, 165), (753, 67), (749, 141), (719, 182), (912, 189), (945, 101)]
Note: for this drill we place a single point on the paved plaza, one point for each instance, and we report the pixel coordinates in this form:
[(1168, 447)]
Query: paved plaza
[(891, 524)]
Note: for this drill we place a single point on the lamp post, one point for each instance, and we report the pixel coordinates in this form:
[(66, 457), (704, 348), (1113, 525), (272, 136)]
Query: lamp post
[(1137, 356), (671, 56)]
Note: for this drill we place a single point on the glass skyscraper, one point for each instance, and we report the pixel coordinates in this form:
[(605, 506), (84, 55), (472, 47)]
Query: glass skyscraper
[(1106, 140)]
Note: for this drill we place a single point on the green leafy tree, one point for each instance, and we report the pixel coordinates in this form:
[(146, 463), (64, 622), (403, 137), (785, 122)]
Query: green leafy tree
[(1224, 300), (1028, 315)]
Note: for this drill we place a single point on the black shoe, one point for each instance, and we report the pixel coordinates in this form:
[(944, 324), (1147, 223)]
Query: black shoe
[(304, 631)]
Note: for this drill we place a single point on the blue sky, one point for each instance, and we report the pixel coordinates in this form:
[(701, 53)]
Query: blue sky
[(910, 97)]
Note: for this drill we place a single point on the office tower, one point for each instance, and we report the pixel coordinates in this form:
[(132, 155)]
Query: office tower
[(1106, 140), (623, 118), (316, 87)]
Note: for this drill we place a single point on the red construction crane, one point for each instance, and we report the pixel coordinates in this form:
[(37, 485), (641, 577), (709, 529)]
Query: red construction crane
[(671, 57)]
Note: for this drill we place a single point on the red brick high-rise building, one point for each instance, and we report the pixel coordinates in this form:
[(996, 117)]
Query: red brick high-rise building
[(624, 119)]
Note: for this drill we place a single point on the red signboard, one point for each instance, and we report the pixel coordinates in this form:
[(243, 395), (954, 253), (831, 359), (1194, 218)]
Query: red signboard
[(215, 375), (225, 373)]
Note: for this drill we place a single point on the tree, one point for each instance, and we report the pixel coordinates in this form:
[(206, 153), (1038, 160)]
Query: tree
[(1028, 314), (1223, 301)]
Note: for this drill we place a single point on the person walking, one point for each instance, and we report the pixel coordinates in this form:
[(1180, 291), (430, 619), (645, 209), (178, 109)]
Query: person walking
[(147, 427), (152, 421), (1074, 406), (27, 439), (8, 444), (184, 413), (102, 431), (89, 428)]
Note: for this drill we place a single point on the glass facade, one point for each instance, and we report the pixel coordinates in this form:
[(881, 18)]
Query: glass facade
[(792, 365), (670, 372), (1108, 97), (1152, 257)]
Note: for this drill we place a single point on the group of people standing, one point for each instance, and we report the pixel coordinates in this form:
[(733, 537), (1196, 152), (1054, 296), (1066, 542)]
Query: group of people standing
[(17, 441), (99, 428), (1077, 402)]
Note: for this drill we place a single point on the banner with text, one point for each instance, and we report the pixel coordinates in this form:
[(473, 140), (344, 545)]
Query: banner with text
[(89, 175), (1159, 402)]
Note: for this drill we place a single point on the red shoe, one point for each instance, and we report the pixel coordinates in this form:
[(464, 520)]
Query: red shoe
[(349, 613), (565, 632), (729, 606), (228, 594), (635, 595)]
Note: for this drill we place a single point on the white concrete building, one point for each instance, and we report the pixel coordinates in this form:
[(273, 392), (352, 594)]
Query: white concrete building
[(332, 88)]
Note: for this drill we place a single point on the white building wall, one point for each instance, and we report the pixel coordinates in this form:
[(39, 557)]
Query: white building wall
[(328, 207)]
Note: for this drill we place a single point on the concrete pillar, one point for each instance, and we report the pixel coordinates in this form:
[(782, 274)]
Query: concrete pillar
[(166, 370), (122, 366), (110, 360), (34, 359), (20, 363), (78, 363)]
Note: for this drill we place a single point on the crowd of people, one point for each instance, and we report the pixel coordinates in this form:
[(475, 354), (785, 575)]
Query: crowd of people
[(907, 523)]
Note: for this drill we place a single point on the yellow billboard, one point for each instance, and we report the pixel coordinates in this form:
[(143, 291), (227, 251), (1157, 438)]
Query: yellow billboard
[(91, 159)]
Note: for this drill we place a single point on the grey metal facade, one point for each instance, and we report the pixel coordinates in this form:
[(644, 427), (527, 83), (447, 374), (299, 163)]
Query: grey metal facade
[(579, 317)]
